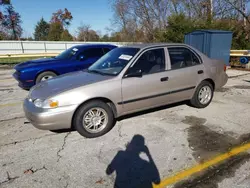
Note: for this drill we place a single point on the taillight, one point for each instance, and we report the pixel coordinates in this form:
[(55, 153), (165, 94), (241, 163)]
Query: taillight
[(225, 68)]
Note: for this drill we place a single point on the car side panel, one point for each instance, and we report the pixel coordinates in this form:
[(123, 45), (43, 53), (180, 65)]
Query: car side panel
[(144, 92), (103, 89), (147, 92), (215, 71), (67, 66), (180, 86), (185, 80)]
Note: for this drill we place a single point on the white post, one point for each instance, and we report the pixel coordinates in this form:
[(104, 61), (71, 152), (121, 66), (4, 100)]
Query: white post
[(22, 47), (245, 11), (211, 8)]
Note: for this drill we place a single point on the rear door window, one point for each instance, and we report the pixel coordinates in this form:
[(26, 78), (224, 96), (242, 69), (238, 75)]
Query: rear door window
[(181, 57), (91, 53)]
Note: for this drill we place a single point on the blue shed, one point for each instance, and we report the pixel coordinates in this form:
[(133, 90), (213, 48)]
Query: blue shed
[(214, 43)]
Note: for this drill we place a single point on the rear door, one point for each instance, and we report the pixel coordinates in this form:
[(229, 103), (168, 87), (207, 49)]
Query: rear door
[(186, 71)]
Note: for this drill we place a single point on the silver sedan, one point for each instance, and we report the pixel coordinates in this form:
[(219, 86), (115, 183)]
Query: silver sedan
[(128, 79)]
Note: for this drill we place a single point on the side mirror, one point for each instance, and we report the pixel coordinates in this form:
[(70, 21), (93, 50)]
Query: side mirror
[(137, 73)]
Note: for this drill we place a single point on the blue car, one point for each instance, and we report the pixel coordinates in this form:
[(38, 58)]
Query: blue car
[(73, 59)]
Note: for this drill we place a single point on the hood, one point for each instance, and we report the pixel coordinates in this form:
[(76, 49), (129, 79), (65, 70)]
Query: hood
[(35, 62), (65, 82)]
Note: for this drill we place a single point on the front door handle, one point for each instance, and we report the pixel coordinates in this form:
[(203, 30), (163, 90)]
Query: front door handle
[(200, 72), (164, 79)]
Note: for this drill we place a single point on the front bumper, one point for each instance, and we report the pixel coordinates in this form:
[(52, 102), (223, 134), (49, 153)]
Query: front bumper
[(22, 84), (49, 119)]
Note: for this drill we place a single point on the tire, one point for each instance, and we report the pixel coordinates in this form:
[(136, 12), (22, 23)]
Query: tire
[(84, 113), (44, 74), (196, 101)]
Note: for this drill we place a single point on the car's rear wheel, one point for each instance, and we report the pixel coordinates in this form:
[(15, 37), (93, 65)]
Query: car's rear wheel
[(94, 119), (203, 95), (45, 76)]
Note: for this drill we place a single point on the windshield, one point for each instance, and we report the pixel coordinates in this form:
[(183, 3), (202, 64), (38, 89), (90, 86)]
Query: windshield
[(113, 62), (67, 54)]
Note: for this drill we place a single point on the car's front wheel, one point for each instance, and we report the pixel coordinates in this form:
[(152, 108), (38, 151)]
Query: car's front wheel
[(203, 95), (45, 76), (94, 119)]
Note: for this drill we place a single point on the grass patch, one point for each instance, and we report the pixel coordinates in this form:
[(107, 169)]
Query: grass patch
[(16, 60)]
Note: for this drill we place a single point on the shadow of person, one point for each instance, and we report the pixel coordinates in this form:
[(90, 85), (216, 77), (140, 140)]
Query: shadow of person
[(131, 169)]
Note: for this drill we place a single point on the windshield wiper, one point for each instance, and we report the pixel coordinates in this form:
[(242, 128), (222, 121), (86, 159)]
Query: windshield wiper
[(96, 71), (100, 72)]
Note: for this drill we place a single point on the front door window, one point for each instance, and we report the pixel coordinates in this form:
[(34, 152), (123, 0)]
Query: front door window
[(151, 61)]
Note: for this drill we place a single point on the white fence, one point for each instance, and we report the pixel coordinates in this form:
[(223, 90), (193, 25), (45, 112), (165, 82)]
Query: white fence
[(29, 47)]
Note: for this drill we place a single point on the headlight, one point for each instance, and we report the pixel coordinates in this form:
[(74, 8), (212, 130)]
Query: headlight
[(46, 103), (38, 103)]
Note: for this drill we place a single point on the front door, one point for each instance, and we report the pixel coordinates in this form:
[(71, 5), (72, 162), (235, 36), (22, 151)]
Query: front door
[(140, 93)]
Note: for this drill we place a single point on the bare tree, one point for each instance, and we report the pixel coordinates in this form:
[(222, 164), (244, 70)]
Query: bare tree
[(147, 20), (143, 15), (11, 21), (85, 33), (240, 7), (82, 32)]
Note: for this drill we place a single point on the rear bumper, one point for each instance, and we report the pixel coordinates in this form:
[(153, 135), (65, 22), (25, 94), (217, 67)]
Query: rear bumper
[(224, 79), (221, 81), (49, 119)]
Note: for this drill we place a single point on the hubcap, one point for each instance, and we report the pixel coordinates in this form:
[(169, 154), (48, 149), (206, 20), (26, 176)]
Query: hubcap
[(205, 95), (95, 120), (46, 77)]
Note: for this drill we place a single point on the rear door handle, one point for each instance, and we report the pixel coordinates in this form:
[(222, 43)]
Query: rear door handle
[(200, 72), (164, 79)]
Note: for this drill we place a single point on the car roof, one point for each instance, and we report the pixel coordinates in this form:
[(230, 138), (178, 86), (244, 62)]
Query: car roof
[(93, 45), (150, 45)]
